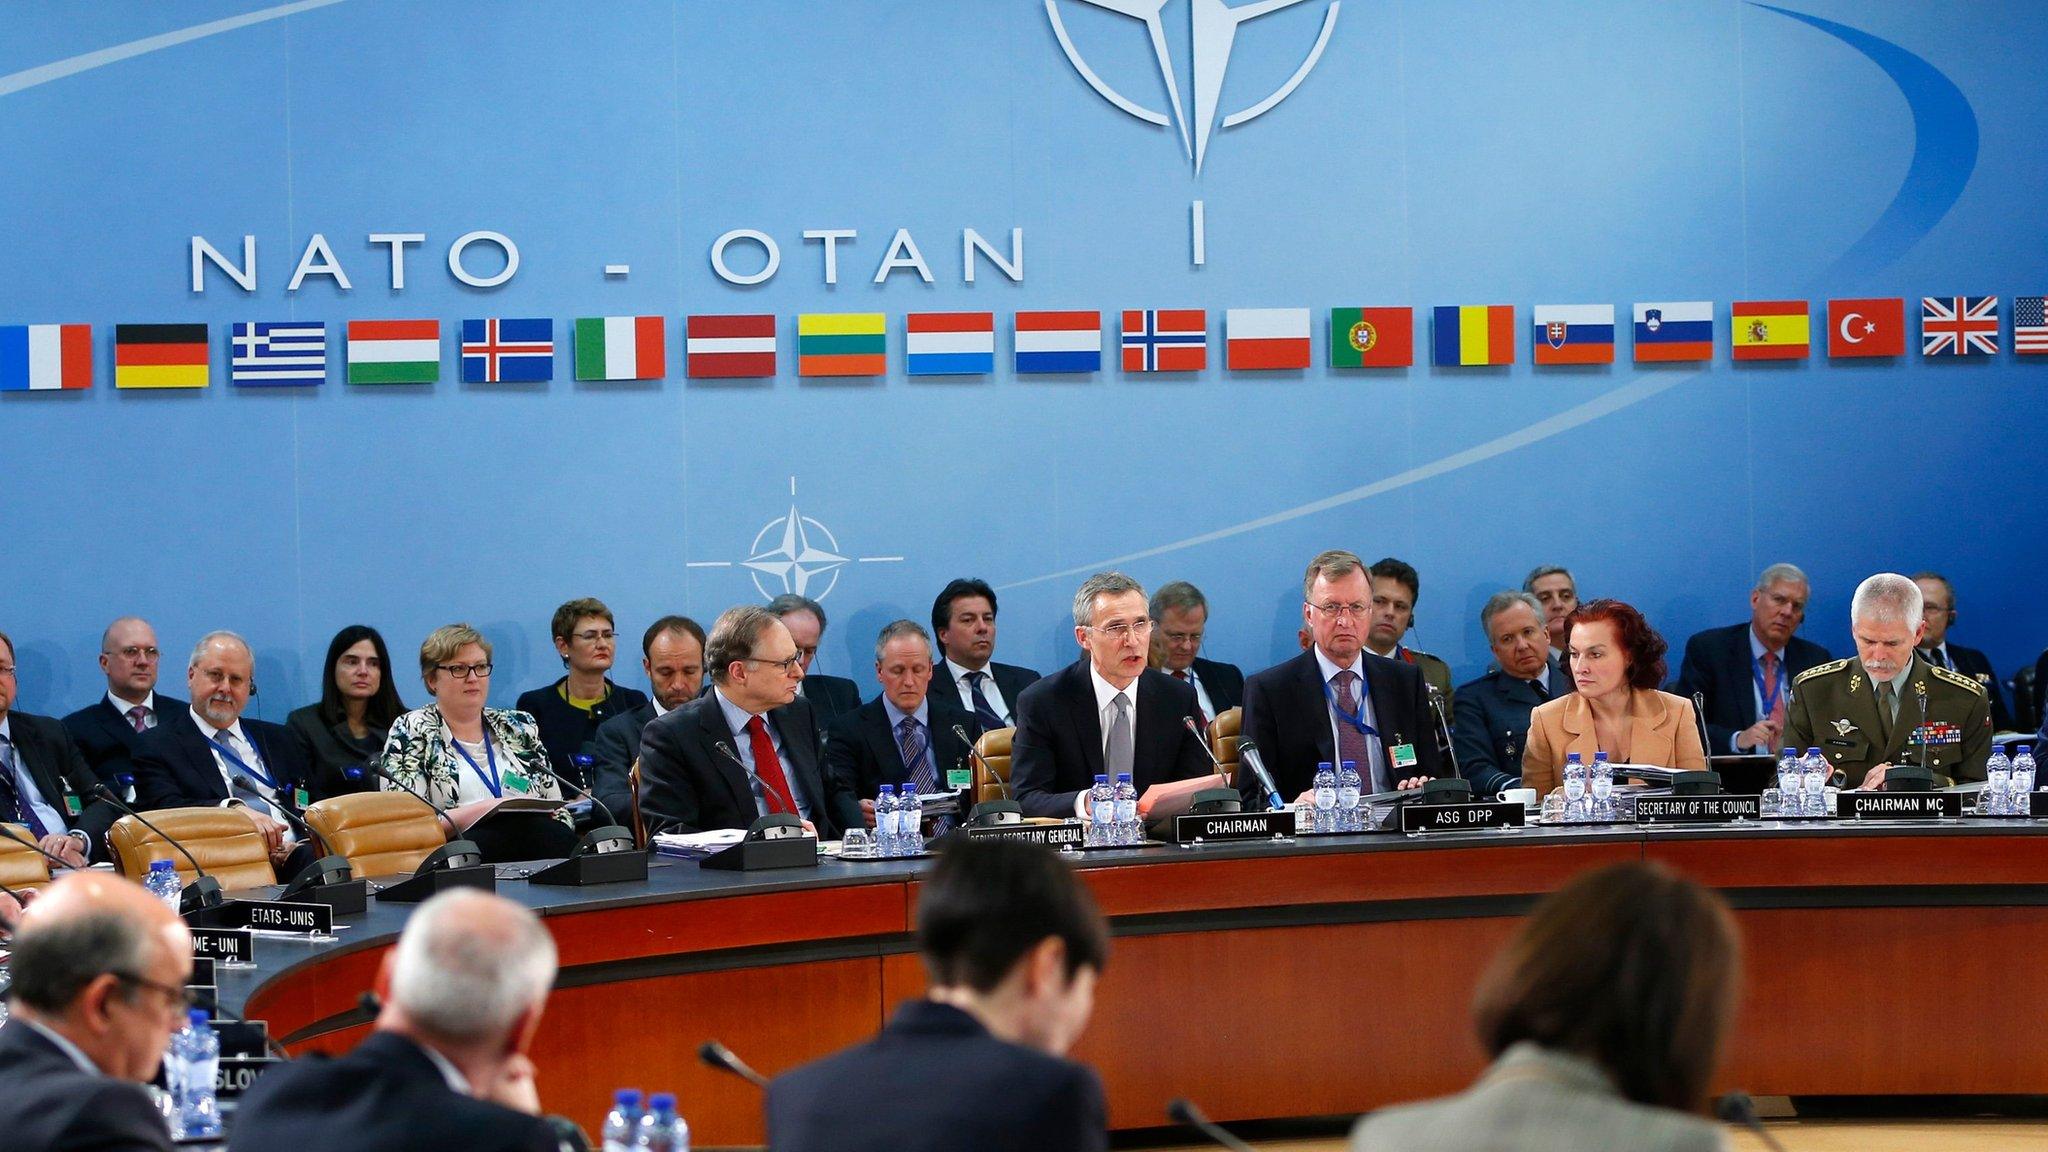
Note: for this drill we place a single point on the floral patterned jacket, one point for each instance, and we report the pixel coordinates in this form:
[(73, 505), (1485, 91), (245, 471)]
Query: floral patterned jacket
[(417, 754)]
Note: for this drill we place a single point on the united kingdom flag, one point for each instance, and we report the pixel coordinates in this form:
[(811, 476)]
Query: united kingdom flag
[(508, 351), (1958, 325)]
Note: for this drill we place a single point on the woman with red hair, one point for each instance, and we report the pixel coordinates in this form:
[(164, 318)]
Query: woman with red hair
[(1617, 661)]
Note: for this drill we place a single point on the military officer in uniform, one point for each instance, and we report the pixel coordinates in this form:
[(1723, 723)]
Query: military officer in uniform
[(1888, 707)]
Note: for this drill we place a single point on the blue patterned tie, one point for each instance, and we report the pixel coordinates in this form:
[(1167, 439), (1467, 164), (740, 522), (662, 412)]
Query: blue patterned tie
[(11, 795), (917, 757), (983, 710)]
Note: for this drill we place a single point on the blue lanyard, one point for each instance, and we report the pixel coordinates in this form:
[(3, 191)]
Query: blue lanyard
[(490, 781), (1357, 721), (1769, 696), (228, 752)]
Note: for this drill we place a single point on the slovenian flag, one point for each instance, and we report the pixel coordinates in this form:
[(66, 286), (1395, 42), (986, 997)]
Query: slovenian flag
[(1166, 340), (394, 351), (949, 343), (1256, 339), (1674, 330), (508, 351), (1473, 335), (161, 356), (1059, 342), (621, 348), (729, 347), (842, 344), (45, 357), (1573, 333)]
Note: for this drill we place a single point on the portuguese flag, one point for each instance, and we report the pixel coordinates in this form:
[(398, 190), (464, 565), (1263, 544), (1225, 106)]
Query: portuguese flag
[(1372, 337)]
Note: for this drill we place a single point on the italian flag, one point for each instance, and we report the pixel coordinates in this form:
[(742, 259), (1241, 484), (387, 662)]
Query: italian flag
[(394, 351), (620, 348)]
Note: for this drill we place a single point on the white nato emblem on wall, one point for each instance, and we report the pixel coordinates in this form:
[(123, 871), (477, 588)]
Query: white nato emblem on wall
[(795, 553), (1214, 26)]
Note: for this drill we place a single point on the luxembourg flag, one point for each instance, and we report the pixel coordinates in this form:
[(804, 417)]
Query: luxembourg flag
[(1059, 342), (1256, 339), (1573, 333), (949, 343), (45, 357)]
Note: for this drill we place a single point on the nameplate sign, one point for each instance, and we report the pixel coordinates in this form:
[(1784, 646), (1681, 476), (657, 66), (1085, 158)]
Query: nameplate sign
[(1222, 826), (1898, 805), (223, 945), (1462, 817), (1067, 833), (279, 916), (202, 972), (234, 1075), (2037, 803), (1697, 809)]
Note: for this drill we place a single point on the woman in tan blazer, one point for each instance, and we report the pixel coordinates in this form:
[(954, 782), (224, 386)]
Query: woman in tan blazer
[(1617, 661)]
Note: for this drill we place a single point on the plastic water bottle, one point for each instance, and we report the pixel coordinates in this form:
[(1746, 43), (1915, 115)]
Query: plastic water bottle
[(1326, 797), (622, 1124), (1601, 782), (196, 1057), (1101, 813), (661, 1129), (1790, 785), (2022, 779), (1574, 787), (1813, 783), (1996, 799), (887, 842), (1125, 795), (162, 882), (1350, 807)]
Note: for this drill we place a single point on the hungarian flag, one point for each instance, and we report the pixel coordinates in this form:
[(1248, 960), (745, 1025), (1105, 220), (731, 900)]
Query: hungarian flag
[(949, 343), (1874, 327), (45, 357), (729, 347), (1058, 342), (1372, 337), (508, 351), (1473, 335), (1166, 340), (842, 344), (621, 348), (394, 351), (1573, 334), (160, 356), (1768, 330), (1263, 339)]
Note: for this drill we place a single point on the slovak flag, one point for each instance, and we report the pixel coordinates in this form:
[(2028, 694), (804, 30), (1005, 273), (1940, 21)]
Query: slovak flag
[(1573, 334), (1166, 340)]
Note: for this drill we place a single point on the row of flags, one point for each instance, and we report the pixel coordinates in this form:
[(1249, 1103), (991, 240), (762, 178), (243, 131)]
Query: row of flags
[(40, 357)]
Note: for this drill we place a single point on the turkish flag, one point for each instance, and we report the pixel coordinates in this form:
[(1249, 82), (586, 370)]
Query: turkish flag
[(1867, 327)]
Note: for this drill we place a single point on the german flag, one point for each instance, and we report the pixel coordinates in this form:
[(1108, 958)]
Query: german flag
[(160, 356)]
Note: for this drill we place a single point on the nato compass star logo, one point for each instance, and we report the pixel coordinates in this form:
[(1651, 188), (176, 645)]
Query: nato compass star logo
[(795, 553)]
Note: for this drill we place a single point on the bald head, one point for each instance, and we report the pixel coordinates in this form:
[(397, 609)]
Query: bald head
[(100, 961), (469, 968), (129, 657)]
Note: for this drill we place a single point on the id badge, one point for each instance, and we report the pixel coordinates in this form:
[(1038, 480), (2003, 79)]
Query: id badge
[(517, 782), (958, 778), (300, 798), (1403, 755), (71, 804)]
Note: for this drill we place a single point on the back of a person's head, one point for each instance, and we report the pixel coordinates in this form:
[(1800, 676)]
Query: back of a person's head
[(1630, 966), (55, 957), (988, 903), (469, 964)]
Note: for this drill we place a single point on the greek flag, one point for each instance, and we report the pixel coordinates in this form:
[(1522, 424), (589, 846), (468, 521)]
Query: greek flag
[(291, 352)]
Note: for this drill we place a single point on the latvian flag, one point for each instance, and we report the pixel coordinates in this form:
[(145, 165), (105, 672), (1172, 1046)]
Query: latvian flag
[(45, 357), (1166, 340), (1256, 339), (1059, 342), (1674, 330), (160, 356), (1573, 334), (1473, 335), (621, 348), (394, 351), (286, 352), (842, 344), (949, 343), (1958, 325), (729, 347), (508, 351)]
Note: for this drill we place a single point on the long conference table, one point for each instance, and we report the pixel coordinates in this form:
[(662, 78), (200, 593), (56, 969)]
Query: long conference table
[(1314, 977)]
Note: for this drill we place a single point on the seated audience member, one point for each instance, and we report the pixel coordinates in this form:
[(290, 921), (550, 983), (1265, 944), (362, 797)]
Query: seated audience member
[(672, 653), (570, 710), (1938, 609), (108, 729), (745, 749), (462, 757), (1337, 702), (99, 973), (45, 785), (905, 735), (831, 696), (1744, 672), (213, 756), (964, 623), (1554, 588), (1887, 706), (1012, 945), (1605, 1017), (1493, 711), (358, 703), (1617, 662), (446, 1066), (1396, 590), (1105, 713), (1180, 617)]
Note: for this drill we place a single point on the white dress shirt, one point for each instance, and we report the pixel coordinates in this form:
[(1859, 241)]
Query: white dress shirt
[(736, 718), (148, 707), (239, 743), (989, 691), (1201, 693)]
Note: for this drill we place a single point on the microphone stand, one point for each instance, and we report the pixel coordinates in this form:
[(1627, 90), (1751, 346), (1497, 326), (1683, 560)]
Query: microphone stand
[(1183, 1111), (975, 754), (724, 1059), (1443, 727), (204, 891)]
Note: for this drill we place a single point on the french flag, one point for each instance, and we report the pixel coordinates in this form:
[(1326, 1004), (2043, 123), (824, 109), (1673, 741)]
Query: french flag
[(1059, 342), (45, 357)]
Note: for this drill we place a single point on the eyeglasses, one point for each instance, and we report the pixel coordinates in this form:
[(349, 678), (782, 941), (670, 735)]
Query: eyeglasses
[(181, 999), (807, 653), (787, 666), (1340, 611), (1182, 637), (134, 652), (6, 669), (1124, 631), (594, 635), (465, 671)]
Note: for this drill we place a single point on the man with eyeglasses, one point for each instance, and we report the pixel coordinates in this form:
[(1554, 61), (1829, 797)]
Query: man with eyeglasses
[(1337, 701), (746, 749), (571, 710), (45, 786), (1106, 713), (99, 973), (108, 730), (1180, 617), (672, 653), (830, 696)]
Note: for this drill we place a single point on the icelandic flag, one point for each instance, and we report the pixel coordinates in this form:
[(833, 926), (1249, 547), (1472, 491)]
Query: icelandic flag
[(1573, 334), (45, 357), (1669, 331), (286, 352), (949, 343), (1059, 342), (508, 351)]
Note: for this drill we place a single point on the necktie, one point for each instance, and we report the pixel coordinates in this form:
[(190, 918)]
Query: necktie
[(917, 757), (1938, 658), (1542, 689), (1887, 710), (1183, 677), (1116, 755), (12, 798), (241, 784), (768, 766), (1351, 743), (1769, 661), (983, 710), (138, 718)]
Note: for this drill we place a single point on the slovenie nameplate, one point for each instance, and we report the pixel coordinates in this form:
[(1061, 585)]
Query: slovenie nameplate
[(1462, 817), (1697, 809)]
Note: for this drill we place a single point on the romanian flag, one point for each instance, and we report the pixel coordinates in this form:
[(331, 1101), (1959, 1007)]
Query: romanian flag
[(160, 356), (45, 357), (1768, 329), (1474, 335), (842, 344), (1372, 337)]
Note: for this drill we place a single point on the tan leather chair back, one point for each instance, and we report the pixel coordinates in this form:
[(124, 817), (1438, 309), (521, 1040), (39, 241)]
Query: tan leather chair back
[(1224, 733), (381, 833), (224, 841), (20, 865), (639, 821), (994, 747)]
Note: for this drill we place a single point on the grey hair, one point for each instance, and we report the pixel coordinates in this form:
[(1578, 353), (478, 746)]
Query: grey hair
[(1101, 584), (1781, 573), (1503, 600), (1179, 596), (1539, 572), (789, 602), (465, 977), (199, 649), (54, 960), (899, 630), (1329, 565), (1886, 598), (733, 636)]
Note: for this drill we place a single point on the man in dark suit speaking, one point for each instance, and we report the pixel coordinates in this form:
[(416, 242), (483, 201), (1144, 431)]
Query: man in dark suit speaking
[(1012, 945), (1105, 713)]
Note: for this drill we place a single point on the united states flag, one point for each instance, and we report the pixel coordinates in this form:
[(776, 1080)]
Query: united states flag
[(290, 352), (2029, 326), (1959, 325)]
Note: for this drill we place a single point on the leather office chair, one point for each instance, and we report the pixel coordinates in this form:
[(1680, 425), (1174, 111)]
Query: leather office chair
[(20, 865), (639, 821), (994, 749), (1224, 733), (381, 833), (224, 841)]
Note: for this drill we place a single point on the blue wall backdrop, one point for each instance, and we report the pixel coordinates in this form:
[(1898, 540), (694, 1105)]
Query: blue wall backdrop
[(1438, 153)]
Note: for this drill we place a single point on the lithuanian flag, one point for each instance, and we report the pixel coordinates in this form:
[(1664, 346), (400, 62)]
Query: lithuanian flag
[(160, 356), (842, 344)]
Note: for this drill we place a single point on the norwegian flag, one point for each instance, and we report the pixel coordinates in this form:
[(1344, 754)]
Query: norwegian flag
[(1959, 325)]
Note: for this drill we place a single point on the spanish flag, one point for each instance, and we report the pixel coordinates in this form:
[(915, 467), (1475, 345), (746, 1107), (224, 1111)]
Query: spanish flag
[(1768, 329), (160, 356), (1473, 335)]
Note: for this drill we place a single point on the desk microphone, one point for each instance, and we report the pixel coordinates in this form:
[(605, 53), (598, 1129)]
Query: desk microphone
[(1699, 716), (564, 782), (1183, 1111), (1248, 755), (975, 754), (204, 890), (1738, 1108), (1443, 727), (774, 800), (375, 769), (1202, 742), (724, 1059), (1920, 690), (8, 832)]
